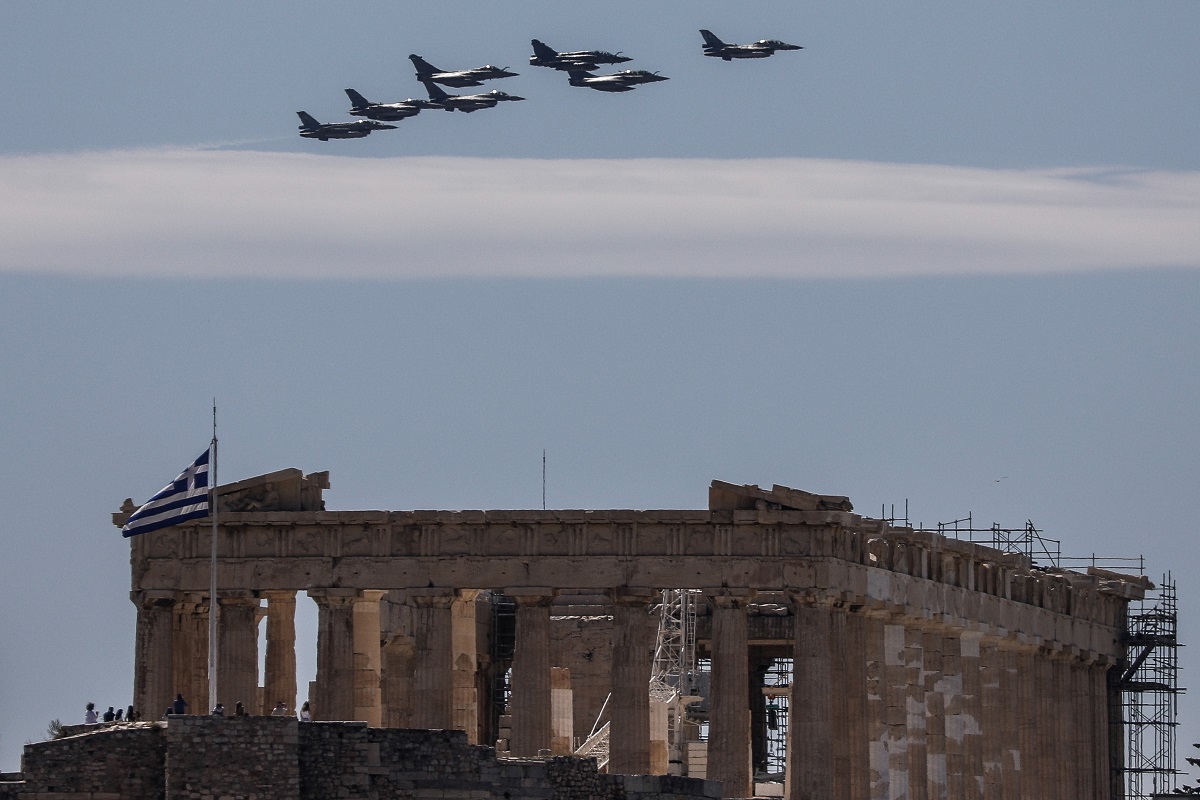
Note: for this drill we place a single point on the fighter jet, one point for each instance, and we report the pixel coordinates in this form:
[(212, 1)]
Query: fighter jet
[(623, 81), (457, 78), (761, 49), (578, 60), (465, 103), (311, 129), (362, 107)]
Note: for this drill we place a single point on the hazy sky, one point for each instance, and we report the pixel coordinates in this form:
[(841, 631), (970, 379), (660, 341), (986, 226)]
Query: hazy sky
[(946, 253)]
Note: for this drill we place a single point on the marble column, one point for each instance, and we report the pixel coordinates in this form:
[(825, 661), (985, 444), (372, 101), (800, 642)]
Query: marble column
[(464, 648), (1085, 727), (991, 719), (935, 714), (876, 704), (633, 633), (280, 680), (839, 720), (433, 673), (368, 705), (153, 661), (918, 747), (335, 654), (530, 704), (856, 705), (895, 698), (1045, 710), (1098, 673), (809, 776), (955, 715), (1010, 714), (972, 715), (1064, 721), (1029, 774), (398, 668), (728, 702), (189, 654), (237, 656)]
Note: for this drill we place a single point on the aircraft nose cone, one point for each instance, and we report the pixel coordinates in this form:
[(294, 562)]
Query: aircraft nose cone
[(514, 97)]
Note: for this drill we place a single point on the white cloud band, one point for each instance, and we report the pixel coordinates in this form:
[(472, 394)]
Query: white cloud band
[(187, 213)]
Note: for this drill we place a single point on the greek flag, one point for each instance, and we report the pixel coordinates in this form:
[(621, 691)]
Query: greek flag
[(184, 498)]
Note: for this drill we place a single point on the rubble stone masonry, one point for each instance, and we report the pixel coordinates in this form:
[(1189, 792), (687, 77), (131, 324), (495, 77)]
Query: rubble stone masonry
[(272, 758)]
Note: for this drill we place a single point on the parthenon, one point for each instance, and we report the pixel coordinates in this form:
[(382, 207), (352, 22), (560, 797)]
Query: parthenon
[(914, 665)]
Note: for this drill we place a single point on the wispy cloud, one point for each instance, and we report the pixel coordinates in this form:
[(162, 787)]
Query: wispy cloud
[(238, 213)]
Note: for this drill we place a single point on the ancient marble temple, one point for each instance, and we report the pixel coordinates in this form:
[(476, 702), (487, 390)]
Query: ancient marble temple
[(919, 666)]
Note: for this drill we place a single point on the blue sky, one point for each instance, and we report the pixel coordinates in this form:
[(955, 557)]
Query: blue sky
[(942, 245)]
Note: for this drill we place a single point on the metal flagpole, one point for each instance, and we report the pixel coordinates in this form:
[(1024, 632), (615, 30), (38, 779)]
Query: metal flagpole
[(212, 572)]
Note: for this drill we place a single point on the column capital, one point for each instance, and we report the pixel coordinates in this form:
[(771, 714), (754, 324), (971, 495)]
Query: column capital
[(813, 597), (532, 596), (333, 597), (625, 596), (431, 598), (239, 597), (151, 598), (192, 601), (729, 598)]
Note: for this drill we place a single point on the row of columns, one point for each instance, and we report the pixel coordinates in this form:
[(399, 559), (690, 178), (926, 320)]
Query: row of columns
[(882, 706), (172, 650), (439, 655), (885, 707)]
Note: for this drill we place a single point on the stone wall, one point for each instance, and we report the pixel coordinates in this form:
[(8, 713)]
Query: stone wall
[(125, 762), (578, 779), (253, 758), (270, 758)]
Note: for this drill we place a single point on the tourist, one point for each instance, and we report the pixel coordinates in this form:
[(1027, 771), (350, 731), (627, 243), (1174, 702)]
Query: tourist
[(280, 710), (239, 710), (305, 713), (89, 716), (120, 714), (179, 706), (109, 715), (218, 710), (130, 716)]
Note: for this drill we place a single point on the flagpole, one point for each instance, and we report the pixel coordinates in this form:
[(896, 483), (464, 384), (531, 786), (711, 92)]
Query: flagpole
[(212, 572)]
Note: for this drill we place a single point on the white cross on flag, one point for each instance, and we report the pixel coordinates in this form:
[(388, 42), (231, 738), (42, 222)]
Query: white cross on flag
[(184, 498)]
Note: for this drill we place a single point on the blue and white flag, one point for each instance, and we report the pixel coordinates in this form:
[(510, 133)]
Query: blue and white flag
[(184, 498)]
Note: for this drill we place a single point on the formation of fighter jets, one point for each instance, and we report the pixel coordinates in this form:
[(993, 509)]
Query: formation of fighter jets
[(580, 66)]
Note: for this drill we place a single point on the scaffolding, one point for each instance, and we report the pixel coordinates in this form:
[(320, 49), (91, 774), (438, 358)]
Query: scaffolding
[(673, 680), (1028, 540), (1149, 687), (776, 689), (503, 641)]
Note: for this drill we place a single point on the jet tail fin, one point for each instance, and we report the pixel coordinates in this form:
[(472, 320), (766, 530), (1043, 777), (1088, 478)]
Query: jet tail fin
[(357, 100), (436, 93), (710, 40), (424, 68), (543, 50), (576, 76), (307, 120)]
